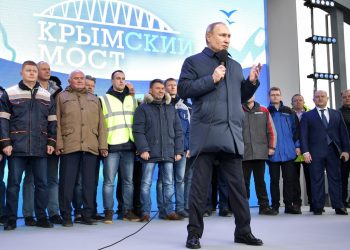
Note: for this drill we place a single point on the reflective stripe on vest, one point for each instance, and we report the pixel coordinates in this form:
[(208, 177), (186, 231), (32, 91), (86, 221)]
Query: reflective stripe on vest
[(119, 118)]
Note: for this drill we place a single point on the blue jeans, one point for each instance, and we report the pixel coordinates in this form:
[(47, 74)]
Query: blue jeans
[(114, 160), (179, 176), (2, 187), (16, 166), (166, 169), (188, 181), (28, 193), (52, 186)]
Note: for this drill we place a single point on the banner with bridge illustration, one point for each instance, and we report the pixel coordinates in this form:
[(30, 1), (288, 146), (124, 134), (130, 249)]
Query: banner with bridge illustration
[(146, 38)]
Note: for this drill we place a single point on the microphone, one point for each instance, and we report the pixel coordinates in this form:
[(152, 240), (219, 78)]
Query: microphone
[(222, 55), (342, 158)]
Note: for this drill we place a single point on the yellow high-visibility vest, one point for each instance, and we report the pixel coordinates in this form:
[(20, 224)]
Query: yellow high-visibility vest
[(119, 118)]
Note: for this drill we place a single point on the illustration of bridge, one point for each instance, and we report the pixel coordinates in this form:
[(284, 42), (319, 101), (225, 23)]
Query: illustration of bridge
[(107, 12)]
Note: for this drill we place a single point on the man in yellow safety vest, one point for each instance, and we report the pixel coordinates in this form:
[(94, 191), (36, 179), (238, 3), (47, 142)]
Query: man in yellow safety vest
[(118, 109)]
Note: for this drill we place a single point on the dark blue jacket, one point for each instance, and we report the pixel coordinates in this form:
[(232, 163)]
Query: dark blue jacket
[(28, 120), (183, 110), (314, 134), (287, 128), (157, 130), (217, 115)]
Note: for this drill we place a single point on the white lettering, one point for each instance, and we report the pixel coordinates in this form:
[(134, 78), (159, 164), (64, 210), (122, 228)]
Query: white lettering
[(66, 30), (44, 31), (77, 54), (112, 41), (54, 57)]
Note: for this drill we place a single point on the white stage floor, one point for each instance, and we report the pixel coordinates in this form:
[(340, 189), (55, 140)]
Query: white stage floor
[(282, 232)]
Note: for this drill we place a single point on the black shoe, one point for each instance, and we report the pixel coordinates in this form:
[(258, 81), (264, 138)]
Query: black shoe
[(98, 217), (183, 213), (44, 223), (291, 210), (56, 219), (77, 218), (10, 225), (317, 211), (275, 209), (297, 208), (29, 221), (3, 220), (248, 239), (88, 221), (67, 222), (225, 212), (192, 242), (267, 211), (341, 211)]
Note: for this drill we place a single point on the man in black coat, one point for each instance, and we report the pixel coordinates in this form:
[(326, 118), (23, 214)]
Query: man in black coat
[(345, 170), (217, 87)]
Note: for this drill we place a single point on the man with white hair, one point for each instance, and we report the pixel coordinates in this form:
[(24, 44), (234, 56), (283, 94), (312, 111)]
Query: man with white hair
[(81, 137)]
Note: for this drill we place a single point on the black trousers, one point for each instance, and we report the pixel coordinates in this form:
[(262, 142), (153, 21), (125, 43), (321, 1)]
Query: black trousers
[(258, 169), (232, 170), (99, 160), (297, 189), (69, 172), (345, 170), (288, 175)]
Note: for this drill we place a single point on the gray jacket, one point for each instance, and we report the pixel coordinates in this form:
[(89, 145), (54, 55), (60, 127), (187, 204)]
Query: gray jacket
[(259, 133)]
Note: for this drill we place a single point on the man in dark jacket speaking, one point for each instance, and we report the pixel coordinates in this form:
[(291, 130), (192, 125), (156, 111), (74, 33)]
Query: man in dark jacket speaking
[(217, 87)]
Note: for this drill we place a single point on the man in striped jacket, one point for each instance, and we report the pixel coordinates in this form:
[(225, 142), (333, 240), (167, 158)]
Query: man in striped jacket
[(27, 135), (259, 136)]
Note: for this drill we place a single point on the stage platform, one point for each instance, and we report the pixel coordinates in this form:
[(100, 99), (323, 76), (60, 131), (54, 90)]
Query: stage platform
[(282, 232)]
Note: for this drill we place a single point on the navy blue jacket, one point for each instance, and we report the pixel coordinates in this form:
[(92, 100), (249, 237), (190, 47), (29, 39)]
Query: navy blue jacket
[(314, 134), (28, 120), (157, 130), (287, 128), (217, 115), (183, 110)]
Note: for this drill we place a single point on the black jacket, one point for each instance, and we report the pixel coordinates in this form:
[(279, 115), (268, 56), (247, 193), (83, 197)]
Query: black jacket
[(217, 115), (157, 130), (28, 120), (345, 111)]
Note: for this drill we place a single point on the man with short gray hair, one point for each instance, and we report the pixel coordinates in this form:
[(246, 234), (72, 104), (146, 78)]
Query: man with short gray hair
[(217, 87), (325, 143)]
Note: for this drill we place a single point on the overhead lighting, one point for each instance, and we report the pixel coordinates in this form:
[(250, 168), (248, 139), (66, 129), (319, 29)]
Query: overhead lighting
[(324, 76), (319, 3), (321, 39)]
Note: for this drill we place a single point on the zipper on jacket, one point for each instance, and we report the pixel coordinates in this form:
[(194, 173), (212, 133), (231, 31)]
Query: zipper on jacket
[(161, 129), (30, 120), (81, 120)]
